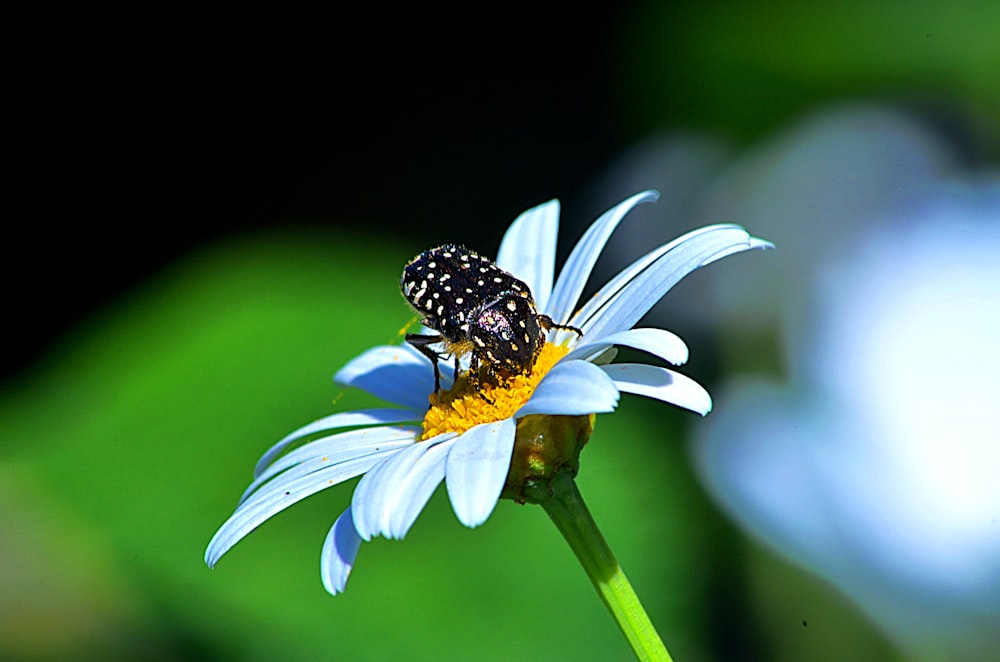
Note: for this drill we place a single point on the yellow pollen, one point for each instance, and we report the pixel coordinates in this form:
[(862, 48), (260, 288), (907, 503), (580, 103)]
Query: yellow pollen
[(463, 407)]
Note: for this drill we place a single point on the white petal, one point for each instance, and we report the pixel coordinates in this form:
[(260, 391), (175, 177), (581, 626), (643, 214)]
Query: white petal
[(757, 244), (660, 383), (394, 373), (389, 497), (339, 551), (477, 468), (572, 388), (279, 494), (632, 293), (581, 260), (341, 420), (657, 342), (334, 449), (528, 249)]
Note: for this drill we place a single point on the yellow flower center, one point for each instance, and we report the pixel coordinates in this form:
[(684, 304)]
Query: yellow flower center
[(463, 407)]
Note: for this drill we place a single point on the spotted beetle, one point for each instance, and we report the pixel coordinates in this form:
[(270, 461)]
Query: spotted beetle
[(476, 308)]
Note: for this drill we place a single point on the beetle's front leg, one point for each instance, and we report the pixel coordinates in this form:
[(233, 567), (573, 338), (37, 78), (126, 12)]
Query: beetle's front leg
[(422, 342), (548, 324)]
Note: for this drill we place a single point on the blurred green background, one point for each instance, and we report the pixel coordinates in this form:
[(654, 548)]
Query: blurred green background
[(219, 223)]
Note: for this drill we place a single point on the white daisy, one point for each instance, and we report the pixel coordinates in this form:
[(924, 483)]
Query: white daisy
[(468, 440)]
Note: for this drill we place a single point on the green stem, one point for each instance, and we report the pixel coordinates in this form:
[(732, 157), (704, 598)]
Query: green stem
[(562, 501)]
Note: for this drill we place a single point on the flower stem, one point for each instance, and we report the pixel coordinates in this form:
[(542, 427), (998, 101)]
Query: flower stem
[(565, 506)]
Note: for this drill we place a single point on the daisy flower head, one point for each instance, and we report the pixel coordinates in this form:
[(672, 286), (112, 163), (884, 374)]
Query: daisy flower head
[(488, 438)]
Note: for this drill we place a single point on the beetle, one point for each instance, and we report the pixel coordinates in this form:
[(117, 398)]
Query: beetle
[(474, 307)]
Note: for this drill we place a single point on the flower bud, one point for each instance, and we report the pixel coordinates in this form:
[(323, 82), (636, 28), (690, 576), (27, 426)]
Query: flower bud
[(544, 445)]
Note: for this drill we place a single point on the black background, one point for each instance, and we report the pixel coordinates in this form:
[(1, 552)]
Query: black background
[(132, 146)]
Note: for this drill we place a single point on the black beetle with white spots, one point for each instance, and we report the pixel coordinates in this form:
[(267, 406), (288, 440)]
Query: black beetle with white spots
[(475, 308)]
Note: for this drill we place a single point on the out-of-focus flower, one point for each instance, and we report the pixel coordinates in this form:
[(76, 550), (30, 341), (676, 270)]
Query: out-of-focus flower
[(813, 188), (467, 438), (874, 463)]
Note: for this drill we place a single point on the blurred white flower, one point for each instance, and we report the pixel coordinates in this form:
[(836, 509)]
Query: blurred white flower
[(875, 464), (813, 187)]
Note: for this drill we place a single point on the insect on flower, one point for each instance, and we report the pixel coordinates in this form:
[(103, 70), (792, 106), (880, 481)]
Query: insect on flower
[(553, 366), (476, 308)]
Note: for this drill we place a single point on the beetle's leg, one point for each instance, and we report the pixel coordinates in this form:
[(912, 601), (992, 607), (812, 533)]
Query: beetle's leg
[(474, 378), (548, 324), (422, 342)]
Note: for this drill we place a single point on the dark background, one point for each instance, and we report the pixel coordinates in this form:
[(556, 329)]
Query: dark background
[(134, 147), (135, 137)]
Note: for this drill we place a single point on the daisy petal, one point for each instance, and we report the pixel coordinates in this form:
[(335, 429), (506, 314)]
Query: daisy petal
[(611, 290), (335, 449), (528, 249), (644, 283), (572, 388), (477, 468), (420, 485), (341, 420), (757, 244), (391, 372), (389, 497), (658, 342), (339, 551), (581, 260), (660, 383), (279, 494)]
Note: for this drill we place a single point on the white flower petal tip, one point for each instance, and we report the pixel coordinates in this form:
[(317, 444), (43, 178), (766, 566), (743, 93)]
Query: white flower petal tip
[(629, 295), (583, 257), (572, 388), (211, 555), (477, 468), (388, 499), (528, 249), (658, 342), (661, 384), (340, 549)]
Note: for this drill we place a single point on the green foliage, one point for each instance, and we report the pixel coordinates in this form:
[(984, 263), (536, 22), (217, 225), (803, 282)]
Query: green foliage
[(744, 68)]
